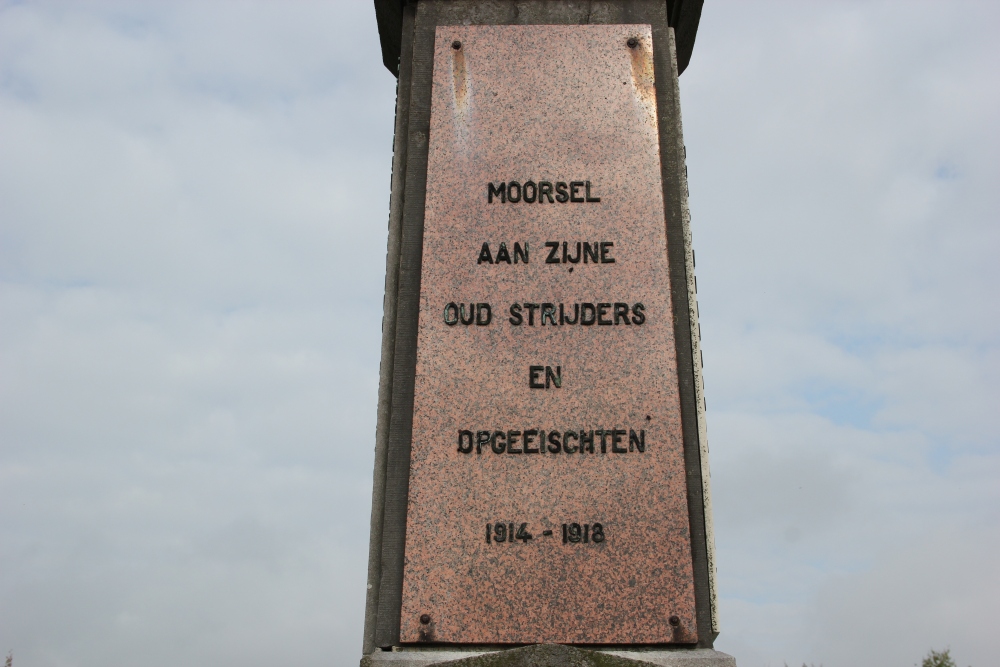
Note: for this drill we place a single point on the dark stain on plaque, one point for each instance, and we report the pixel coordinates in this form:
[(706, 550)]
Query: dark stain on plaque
[(642, 71), (460, 79)]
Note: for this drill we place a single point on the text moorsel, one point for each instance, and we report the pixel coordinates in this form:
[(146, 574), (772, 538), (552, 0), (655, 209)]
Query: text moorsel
[(542, 192)]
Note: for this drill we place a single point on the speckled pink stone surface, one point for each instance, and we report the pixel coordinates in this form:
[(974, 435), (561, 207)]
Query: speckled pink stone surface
[(554, 103)]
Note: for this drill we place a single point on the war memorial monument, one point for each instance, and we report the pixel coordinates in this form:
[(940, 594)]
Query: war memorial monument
[(541, 487)]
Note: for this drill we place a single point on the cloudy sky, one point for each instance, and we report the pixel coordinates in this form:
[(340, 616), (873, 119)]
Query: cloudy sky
[(193, 206)]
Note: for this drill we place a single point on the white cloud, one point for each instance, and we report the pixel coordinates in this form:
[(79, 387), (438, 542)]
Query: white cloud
[(840, 157), (192, 254)]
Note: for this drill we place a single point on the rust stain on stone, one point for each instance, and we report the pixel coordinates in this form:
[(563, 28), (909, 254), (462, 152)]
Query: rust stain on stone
[(460, 79), (643, 81), (547, 497)]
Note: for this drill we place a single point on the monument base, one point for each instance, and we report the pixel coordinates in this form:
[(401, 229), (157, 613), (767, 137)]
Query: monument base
[(548, 655)]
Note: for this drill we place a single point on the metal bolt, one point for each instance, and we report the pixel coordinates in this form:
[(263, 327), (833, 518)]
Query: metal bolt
[(426, 618), (456, 45), (632, 42), (675, 621)]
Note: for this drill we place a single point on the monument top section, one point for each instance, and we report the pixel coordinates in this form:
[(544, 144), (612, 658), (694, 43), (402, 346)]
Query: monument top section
[(541, 460), (683, 16)]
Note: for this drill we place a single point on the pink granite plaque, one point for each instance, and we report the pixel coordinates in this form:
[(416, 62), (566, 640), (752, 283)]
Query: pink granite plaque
[(547, 498)]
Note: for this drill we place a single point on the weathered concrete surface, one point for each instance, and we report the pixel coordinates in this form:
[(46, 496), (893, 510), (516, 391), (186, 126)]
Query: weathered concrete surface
[(399, 149), (700, 657), (417, 657), (546, 104), (550, 655)]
